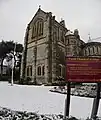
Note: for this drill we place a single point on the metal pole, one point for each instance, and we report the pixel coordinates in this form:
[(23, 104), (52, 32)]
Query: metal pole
[(96, 102), (67, 102), (12, 74), (12, 81)]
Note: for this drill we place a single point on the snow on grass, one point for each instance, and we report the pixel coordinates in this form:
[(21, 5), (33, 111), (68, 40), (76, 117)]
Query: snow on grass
[(40, 99)]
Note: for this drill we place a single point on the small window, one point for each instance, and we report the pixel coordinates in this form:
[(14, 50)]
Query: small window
[(93, 50), (62, 37), (41, 28), (27, 71), (38, 25), (97, 49), (85, 52), (68, 41), (30, 70), (34, 31), (60, 70), (63, 71), (43, 70), (39, 70), (88, 51)]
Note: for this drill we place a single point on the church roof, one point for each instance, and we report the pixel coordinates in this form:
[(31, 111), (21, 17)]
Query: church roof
[(91, 44), (38, 11)]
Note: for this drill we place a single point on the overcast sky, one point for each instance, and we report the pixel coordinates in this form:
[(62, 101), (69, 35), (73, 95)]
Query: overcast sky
[(84, 15)]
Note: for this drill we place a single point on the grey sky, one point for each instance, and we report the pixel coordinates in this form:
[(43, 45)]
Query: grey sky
[(84, 15)]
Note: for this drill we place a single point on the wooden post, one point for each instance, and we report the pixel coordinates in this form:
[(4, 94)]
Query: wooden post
[(67, 102), (96, 102)]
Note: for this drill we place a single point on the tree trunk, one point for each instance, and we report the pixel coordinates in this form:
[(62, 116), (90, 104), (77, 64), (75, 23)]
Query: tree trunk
[(14, 67), (2, 66)]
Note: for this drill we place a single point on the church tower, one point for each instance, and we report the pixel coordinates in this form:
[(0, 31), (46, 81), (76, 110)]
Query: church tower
[(43, 59)]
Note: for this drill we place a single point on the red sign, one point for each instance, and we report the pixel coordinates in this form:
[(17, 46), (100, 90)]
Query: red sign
[(83, 69)]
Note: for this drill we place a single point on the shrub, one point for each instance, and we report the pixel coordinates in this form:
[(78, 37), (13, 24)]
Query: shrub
[(27, 80), (4, 78), (21, 81)]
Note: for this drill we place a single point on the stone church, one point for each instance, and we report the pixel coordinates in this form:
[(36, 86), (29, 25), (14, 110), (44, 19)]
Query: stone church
[(47, 42)]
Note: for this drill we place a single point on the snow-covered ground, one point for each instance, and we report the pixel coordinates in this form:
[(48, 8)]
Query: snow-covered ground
[(40, 99)]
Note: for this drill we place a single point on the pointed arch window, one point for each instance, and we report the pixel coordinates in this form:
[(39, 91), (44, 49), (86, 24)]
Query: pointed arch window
[(68, 41), (63, 71), (39, 71), (41, 28), (30, 70), (27, 71), (97, 49), (34, 31), (60, 70), (38, 28), (85, 51), (88, 51), (43, 70), (93, 50), (38, 25)]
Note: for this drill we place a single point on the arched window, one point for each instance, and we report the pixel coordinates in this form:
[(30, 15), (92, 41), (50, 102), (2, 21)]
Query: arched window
[(63, 71), (62, 36), (60, 70), (39, 70), (97, 49), (68, 41), (27, 71), (93, 50), (88, 51), (41, 28), (38, 25), (85, 52), (100, 50), (30, 70), (34, 31), (38, 28), (39, 33), (43, 70)]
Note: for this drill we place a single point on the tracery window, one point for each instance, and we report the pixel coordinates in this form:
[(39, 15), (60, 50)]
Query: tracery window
[(38, 28)]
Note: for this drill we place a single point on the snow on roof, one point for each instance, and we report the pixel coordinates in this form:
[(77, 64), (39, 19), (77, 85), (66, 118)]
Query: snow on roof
[(69, 33)]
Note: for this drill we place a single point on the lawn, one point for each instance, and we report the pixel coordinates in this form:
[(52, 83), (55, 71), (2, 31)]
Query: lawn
[(39, 99)]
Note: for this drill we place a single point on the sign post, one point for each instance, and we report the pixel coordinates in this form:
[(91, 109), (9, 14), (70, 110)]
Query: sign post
[(67, 102), (96, 103)]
